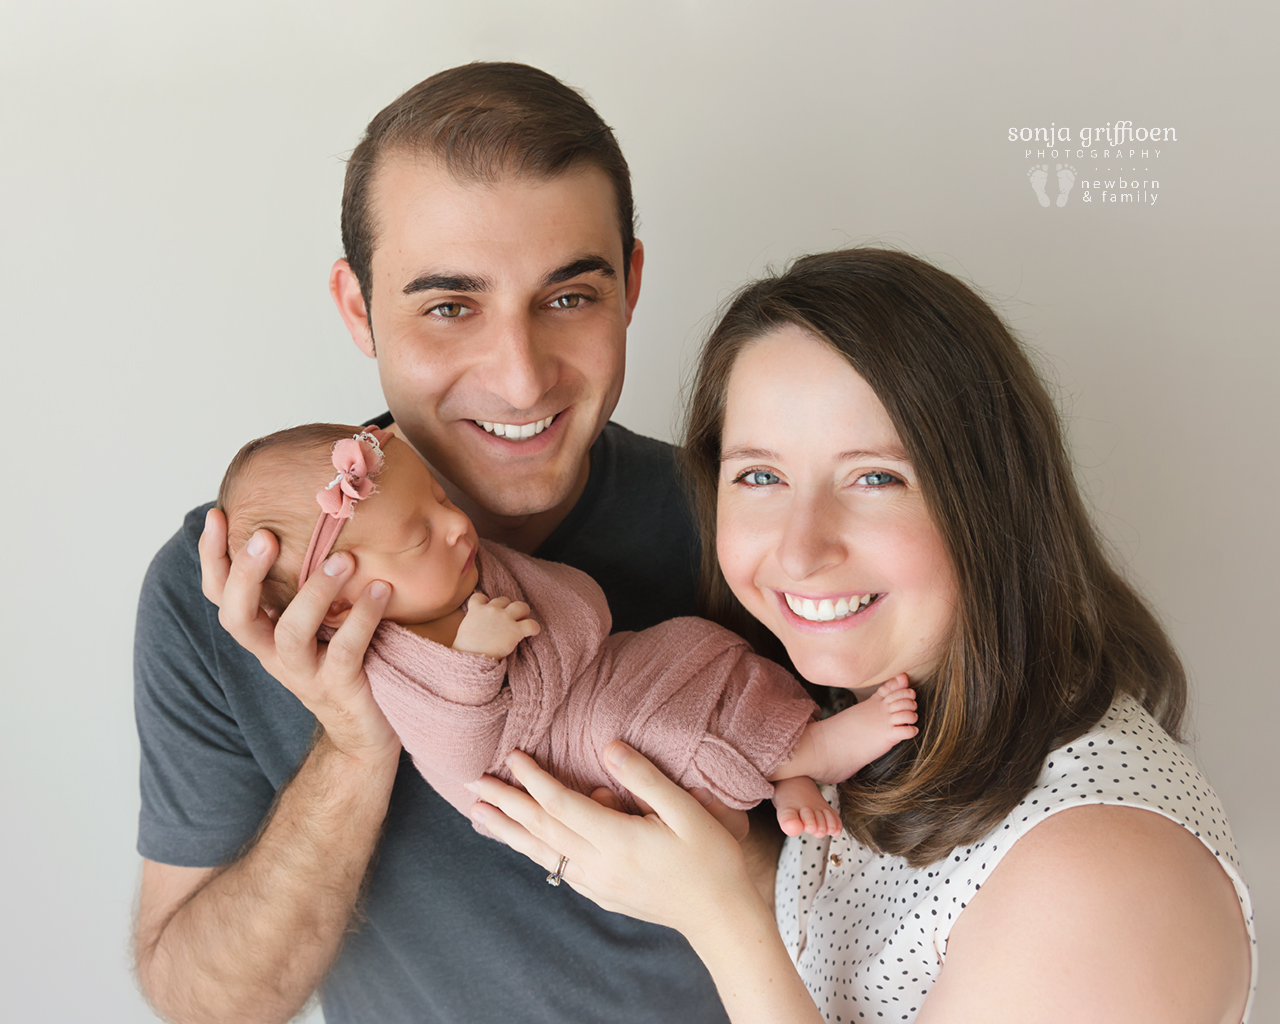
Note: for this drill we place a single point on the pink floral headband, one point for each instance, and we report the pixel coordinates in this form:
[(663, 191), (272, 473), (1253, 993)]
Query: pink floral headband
[(356, 458)]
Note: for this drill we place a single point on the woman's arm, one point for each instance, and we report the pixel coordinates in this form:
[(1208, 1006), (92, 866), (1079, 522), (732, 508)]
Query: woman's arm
[(1106, 914), (676, 867)]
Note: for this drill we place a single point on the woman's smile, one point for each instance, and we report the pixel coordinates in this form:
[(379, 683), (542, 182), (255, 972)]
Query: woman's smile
[(829, 610)]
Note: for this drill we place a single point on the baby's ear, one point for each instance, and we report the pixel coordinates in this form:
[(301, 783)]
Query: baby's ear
[(337, 613)]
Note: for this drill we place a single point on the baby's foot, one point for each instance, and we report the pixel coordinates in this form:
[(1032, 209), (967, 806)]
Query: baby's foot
[(847, 742), (1039, 175), (1066, 179), (801, 808), (888, 717)]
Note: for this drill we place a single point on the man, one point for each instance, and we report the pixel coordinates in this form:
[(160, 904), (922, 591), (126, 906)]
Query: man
[(491, 270)]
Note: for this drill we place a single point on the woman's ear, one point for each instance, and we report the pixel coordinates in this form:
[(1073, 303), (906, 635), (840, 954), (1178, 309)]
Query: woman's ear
[(337, 613)]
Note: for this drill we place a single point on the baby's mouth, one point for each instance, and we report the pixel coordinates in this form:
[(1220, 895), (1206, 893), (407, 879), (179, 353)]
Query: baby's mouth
[(829, 609), (516, 431)]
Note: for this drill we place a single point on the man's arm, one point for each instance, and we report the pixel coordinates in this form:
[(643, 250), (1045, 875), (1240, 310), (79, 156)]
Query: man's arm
[(250, 941)]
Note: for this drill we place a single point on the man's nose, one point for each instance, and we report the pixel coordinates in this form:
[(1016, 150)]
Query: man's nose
[(811, 538), (520, 370)]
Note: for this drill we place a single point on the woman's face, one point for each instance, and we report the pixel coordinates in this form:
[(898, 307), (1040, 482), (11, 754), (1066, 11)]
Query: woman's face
[(822, 531)]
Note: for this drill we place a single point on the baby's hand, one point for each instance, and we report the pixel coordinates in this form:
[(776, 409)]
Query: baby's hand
[(494, 628), (801, 808)]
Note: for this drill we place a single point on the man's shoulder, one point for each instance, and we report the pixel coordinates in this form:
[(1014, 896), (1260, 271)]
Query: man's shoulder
[(628, 444), (632, 530), (174, 573)]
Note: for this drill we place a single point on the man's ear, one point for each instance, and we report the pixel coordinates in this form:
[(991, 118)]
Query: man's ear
[(633, 278), (345, 289), (337, 613)]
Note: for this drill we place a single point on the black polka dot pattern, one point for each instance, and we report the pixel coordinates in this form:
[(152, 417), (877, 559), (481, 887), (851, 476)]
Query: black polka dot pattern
[(869, 933)]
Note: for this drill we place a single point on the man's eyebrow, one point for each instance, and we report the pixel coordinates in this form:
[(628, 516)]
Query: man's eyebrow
[(591, 264), (446, 282)]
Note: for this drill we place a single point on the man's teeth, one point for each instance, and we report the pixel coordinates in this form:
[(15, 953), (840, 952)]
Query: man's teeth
[(828, 610), (516, 431)]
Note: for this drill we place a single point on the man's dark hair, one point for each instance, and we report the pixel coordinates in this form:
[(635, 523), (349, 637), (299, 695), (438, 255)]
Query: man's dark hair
[(484, 121)]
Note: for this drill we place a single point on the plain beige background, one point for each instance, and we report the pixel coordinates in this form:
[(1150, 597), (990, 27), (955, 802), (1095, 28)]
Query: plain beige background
[(169, 195)]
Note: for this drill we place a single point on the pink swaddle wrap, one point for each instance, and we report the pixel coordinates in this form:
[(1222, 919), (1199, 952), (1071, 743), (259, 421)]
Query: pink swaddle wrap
[(689, 695)]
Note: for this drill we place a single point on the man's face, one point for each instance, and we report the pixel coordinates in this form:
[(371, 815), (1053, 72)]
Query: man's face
[(499, 317)]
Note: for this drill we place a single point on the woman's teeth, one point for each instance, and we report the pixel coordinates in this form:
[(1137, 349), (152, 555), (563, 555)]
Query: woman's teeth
[(516, 431), (828, 610)]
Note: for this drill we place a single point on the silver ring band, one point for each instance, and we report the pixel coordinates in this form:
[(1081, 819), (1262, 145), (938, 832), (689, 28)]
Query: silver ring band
[(557, 876)]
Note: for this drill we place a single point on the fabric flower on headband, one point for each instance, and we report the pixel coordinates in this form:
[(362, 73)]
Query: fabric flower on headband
[(356, 459)]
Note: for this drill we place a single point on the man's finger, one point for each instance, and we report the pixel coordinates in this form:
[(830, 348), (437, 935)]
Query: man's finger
[(240, 611), (348, 645), (295, 634), (214, 563)]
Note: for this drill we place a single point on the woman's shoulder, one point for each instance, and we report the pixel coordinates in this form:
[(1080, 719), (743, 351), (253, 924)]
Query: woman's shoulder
[(1118, 869), (1107, 911)]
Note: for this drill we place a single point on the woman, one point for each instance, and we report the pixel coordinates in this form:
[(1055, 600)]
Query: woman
[(864, 425)]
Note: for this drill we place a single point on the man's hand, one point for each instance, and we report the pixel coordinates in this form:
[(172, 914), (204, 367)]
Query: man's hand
[(494, 628), (329, 678)]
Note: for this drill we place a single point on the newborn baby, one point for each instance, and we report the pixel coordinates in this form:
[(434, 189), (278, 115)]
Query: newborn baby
[(526, 662)]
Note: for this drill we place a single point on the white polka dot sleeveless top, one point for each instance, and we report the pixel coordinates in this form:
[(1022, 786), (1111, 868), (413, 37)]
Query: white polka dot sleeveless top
[(869, 933)]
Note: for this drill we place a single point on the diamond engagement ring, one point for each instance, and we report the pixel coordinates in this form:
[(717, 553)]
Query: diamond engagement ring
[(557, 876)]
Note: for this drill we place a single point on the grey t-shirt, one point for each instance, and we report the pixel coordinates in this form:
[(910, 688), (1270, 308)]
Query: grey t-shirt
[(455, 927)]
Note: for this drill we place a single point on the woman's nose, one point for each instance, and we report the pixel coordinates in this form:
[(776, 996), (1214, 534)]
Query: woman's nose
[(811, 537)]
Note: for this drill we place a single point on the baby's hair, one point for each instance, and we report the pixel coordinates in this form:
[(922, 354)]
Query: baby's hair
[(271, 484)]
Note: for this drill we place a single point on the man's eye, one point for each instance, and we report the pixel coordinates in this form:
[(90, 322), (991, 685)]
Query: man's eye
[(566, 302), (759, 478), (448, 310), (877, 479)]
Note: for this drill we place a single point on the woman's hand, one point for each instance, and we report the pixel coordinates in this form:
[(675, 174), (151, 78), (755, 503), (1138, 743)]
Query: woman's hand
[(676, 866), (329, 678)]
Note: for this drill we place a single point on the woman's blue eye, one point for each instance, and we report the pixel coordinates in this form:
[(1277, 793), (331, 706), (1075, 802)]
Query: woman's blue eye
[(878, 479), (760, 478)]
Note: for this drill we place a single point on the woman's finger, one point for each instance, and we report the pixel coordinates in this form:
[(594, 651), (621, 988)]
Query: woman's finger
[(735, 822), (514, 835), (518, 820), (648, 784)]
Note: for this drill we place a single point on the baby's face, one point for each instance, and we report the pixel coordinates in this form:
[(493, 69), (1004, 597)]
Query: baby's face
[(408, 534)]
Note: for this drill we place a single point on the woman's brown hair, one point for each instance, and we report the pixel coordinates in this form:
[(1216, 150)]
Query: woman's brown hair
[(1047, 633)]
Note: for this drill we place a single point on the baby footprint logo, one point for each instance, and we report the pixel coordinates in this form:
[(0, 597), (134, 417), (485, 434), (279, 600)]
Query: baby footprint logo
[(1066, 181), (1038, 176)]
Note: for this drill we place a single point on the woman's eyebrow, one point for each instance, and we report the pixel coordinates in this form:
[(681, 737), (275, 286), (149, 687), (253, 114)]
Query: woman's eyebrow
[(891, 453), (730, 454)]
